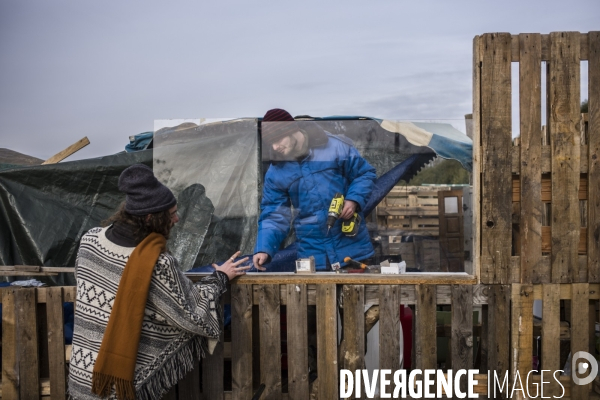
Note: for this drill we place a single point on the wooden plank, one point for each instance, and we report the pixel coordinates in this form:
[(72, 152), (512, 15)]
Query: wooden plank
[(546, 188), (431, 231), (389, 327), (468, 228), (546, 160), (485, 328), (10, 359), (21, 273), (580, 249), (498, 334), (297, 341), (521, 330), (332, 278), (579, 331), (402, 211), (69, 294), (583, 40), (496, 148), (462, 330), (546, 47), (564, 99), (477, 162), (241, 341), (171, 394), (551, 331), (270, 341), (213, 371), (189, 387), (444, 292), (61, 155), (327, 363), (29, 268), (33, 268), (592, 314), (425, 317), (353, 346), (515, 46), (584, 45), (56, 342), (27, 343), (530, 108), (593, 238)]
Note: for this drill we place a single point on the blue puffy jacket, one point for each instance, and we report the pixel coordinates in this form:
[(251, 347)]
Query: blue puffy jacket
[(333, 167)]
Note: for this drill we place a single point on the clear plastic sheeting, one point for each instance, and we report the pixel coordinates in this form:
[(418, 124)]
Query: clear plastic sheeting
[(298, 190), (213, 170)]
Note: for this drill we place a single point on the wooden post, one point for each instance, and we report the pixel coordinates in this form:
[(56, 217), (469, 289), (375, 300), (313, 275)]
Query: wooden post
[(297, 341), (522, 334), (477, 159), (10, 357), (593, 231), (564, 101), (551, 332), (56, 342), (327, 364), (530, 107), (27, 343), (353, 357), (499, 334), (462, 330), (389, 327), (496, 134), (579, 332), (425, 321), (241, 341), (270, 340)]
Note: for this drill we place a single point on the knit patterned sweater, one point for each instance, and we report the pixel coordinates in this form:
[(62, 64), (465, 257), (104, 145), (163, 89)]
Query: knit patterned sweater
[(181, 320)]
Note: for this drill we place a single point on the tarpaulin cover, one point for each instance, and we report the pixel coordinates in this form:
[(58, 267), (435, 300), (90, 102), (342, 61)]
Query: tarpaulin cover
[(216, 171), (44, 210)]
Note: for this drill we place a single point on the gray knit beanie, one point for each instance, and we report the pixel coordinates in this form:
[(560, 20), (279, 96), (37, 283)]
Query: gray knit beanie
[(145, 194)]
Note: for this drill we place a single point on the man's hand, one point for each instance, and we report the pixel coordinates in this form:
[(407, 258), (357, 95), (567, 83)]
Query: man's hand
[(231, 267), (259, 259), (349, 209)]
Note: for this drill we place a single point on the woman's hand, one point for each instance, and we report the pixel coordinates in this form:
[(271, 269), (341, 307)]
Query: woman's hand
[(231, 267)]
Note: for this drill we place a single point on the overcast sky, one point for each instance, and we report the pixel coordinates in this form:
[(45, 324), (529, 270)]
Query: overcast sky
[(108, 69)]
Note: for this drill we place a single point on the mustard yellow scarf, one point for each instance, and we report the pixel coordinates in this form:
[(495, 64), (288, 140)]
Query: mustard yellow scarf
[(116, 360)]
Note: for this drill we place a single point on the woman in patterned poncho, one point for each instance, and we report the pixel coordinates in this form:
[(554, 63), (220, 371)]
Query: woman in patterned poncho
[(139, 322)]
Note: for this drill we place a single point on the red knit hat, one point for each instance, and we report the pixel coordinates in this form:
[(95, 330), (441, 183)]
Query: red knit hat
[(276, 124)]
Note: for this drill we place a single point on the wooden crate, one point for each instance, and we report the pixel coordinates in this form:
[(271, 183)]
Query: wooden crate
[(410, 210), (34, 354)]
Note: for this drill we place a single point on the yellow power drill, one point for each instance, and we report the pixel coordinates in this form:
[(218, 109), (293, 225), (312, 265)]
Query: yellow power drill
[(349, 227), (335, 209)]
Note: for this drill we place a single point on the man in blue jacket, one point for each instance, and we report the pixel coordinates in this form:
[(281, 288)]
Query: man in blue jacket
[(308, 167)]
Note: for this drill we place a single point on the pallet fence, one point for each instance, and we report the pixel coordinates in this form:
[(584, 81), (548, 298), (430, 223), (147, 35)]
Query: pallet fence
[(32, 344), (537, 238)]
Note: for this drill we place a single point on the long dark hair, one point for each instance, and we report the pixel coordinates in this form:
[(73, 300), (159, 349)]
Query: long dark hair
[(159, 222)]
